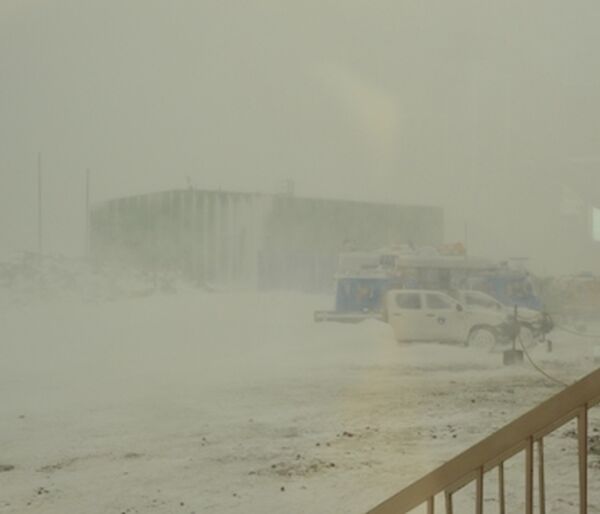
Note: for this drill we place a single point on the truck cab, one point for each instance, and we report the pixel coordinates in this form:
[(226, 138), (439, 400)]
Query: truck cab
[(427, 316)]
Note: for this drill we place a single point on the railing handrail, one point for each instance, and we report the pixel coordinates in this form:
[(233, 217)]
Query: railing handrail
[(499, 446)]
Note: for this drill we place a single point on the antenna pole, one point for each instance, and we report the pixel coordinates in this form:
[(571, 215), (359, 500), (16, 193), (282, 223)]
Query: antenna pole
[(87, 213), (40, 225)]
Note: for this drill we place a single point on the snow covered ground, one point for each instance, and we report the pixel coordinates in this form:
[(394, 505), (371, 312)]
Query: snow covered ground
[(239, 403)]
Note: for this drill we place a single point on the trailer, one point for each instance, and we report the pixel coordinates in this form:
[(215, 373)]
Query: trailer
[(364, 278)]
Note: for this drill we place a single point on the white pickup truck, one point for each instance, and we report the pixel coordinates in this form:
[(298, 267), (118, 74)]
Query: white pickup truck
[(420, 315), (533, 325)]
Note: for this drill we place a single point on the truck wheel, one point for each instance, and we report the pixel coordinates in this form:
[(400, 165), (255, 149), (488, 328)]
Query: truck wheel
[(482, 337)]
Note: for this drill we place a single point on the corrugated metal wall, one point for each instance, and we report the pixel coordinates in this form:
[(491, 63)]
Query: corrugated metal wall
[(251, 239)]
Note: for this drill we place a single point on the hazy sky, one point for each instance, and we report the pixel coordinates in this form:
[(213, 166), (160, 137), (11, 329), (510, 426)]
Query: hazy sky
[(485, 108)]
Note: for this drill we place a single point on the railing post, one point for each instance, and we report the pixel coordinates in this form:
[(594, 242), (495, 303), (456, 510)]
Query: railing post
[(529, 476), (479, 505), (449, 506), (582, 433), (430, 505), (541, 478), (501, 496)]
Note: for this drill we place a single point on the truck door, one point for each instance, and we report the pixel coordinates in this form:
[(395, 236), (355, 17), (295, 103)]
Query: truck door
[(445, 322), (405, 314)]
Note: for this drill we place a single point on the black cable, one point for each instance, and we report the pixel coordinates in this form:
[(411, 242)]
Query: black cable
[(556, 380)]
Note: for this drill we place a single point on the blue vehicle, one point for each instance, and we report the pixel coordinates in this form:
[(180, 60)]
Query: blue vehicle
[(358, 298), (364, 278), (509, 287)]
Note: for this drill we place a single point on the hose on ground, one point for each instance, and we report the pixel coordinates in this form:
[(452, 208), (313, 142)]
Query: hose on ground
[(538, 368)]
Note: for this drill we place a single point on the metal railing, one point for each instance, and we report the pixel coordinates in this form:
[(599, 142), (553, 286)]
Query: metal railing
[(521, 435)]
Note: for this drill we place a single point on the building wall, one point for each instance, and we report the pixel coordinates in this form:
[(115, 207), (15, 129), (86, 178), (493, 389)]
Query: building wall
[(304, 236), (251, 239)]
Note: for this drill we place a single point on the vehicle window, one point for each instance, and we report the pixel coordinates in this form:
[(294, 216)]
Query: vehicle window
[(476, 300), (436, 301), (408, 300)]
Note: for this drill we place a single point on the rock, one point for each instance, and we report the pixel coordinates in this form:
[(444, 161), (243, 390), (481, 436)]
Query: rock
[(6, 467)]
